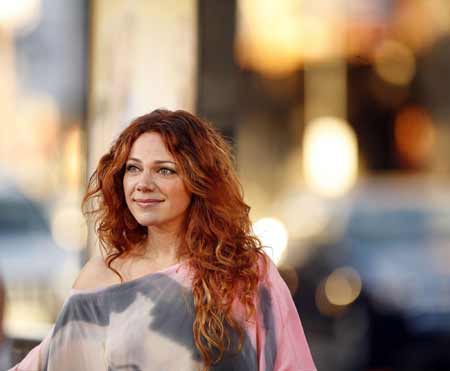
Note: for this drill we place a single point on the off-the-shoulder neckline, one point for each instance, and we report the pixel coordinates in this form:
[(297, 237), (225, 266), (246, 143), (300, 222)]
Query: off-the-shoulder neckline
[(125, 284)]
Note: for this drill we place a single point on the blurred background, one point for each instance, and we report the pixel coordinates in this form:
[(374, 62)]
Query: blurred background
[(339, 117)]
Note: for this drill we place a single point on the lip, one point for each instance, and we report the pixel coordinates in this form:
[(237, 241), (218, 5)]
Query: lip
[(147, 202)]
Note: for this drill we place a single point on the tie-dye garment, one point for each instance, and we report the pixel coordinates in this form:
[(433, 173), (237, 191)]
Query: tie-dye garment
[(146, 325)]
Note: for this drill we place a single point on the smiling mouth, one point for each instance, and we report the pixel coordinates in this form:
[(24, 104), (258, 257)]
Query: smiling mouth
[(148, 203)]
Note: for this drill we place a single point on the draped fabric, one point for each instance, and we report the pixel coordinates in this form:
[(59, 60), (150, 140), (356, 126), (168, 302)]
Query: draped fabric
[(146, 325)]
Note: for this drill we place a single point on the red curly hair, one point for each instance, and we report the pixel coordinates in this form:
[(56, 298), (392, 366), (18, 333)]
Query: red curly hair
[(217, 241)]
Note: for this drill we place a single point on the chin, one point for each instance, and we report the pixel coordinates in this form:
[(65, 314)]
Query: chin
[(148, 222)]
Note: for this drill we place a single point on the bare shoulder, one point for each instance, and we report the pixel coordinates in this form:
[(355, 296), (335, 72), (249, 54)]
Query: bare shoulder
[(95, 274)]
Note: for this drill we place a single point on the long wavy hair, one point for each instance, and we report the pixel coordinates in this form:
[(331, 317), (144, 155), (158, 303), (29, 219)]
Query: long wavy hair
[(217, 243)]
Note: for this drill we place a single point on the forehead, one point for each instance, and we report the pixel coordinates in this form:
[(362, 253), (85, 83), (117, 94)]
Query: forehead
[(150, 146)]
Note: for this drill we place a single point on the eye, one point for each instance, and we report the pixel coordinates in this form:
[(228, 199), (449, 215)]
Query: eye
[(129, 167), (166, 171)]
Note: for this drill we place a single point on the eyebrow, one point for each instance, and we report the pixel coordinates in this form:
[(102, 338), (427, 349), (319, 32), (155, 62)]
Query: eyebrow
[(156, 161)]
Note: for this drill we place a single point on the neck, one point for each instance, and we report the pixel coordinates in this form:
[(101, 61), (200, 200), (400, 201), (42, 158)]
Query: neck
[(161, 245)]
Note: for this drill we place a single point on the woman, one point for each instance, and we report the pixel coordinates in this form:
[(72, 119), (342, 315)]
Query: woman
[(184, 285)]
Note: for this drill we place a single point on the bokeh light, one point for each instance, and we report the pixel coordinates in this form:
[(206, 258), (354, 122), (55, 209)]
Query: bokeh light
[(276, 36), (337, 291), (330, 156), (414, 135), (343, 286), (273, 235), (72, 157), (395, 62), (19, 14), (269, 35)]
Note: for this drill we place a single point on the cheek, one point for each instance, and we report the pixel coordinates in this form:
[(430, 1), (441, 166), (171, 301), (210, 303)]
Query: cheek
[(127, 187), (179, 195)]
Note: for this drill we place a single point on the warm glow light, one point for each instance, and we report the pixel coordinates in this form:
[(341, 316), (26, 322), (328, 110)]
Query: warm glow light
[(72, 157), (330, 156), (439, 11), (323, 304), (269, 35), (395, 63), (273, 235), (36, 132), (414, 135), (275, 36), (16, 14), (343, 286), (68, 228)]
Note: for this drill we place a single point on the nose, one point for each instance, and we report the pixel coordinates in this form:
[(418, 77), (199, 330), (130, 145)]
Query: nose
[(145, 183)]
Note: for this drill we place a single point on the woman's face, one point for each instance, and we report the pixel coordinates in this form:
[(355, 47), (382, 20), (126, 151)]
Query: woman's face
[(154, 191)]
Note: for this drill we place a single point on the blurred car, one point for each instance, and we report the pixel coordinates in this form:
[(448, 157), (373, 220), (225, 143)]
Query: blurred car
[(378, 296), (32, 265)]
